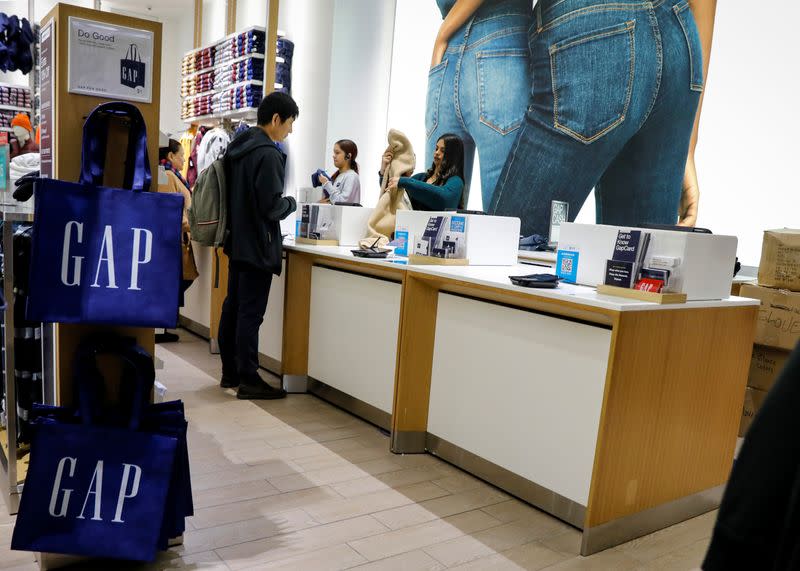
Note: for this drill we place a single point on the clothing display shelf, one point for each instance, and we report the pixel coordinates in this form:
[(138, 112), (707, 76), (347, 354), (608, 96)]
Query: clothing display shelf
[(214, 119), (16, 108), (15, 85), (220, 43), (12, 467), (234, 34), (224, 65), (224, 89)]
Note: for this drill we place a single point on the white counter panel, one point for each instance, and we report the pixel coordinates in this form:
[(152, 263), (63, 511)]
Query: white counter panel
[(352, 343), (197, 302), (270, 336), (521, 390)]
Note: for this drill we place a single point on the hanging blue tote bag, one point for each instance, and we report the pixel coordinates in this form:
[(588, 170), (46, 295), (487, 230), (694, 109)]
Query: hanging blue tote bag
[(99, 488), (106, 255)]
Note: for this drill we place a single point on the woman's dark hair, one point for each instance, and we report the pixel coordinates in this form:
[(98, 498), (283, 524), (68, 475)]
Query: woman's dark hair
[(173, 146), (452, 162), (277, 102), (350, 151)]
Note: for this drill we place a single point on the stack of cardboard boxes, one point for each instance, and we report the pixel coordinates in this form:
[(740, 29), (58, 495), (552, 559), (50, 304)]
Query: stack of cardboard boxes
[(778, 330)]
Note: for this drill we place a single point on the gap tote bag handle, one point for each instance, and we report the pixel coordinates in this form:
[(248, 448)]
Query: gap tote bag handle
[(95, 140), (137, 381)]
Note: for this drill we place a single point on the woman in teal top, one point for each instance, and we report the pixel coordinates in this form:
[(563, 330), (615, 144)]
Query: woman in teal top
[(442, 186)]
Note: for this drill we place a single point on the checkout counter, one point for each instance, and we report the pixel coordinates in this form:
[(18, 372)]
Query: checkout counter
[(616, 415)]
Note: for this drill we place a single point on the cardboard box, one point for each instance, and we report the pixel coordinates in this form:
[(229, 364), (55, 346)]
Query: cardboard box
[(766, 365), (736, 286), (778, 318), (780, 259), (753, 399)]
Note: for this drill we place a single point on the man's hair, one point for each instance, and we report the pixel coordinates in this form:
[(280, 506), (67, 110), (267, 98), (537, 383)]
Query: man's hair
[(277, 102)]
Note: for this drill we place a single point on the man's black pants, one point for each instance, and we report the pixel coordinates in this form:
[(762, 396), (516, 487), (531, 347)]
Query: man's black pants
[(242, 315)]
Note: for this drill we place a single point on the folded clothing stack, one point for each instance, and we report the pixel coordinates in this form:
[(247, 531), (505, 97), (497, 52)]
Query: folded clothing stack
[(250, 42), (15, 96), (285, 49), (196, 106), (198, 83), (251, 69), (283, 68), (283, 77), (198, 60), (22, 165), (6, 117), (239, 97)]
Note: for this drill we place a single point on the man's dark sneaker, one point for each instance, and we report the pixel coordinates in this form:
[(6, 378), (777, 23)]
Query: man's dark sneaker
[(257, 389), (167, 337), (229, 382)]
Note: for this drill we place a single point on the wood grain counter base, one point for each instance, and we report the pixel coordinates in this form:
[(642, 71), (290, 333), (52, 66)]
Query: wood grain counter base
[(670, 413)]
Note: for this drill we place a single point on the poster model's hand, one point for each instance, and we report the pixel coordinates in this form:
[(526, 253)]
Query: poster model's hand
[(458, 15), (439, 47), (690, 195), (393, 182), (323, 180)]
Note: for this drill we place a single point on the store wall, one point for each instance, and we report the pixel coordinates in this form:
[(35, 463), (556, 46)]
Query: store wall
[(178, 38), (307, 23), (748, 149), (43, 7), (213, 21), (360, 70), (253, 13), (177, 19)]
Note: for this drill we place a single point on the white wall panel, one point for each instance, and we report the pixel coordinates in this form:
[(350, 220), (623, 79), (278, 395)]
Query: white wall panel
[(360, 69), (352, 343), (521, 390)]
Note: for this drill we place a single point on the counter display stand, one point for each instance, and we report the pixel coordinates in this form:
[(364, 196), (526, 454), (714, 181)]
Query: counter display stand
[(618, 416)]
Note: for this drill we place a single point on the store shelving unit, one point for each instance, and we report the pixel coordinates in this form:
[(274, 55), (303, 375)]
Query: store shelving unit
[(246, 114), (16, 107), (14, 466), (214, 119)]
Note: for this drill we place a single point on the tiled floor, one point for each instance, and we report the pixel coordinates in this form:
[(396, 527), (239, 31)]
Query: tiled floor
[(298, 484)]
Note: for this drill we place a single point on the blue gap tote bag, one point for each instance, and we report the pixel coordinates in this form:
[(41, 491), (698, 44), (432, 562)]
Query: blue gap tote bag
[(99, 488), (106, 255)]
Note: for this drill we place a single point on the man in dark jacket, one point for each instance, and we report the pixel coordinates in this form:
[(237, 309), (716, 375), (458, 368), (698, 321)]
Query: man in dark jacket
[(255, 173)]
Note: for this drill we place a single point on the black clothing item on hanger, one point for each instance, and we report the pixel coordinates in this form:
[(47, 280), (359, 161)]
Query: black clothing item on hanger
[(758, 526), (24, 186)]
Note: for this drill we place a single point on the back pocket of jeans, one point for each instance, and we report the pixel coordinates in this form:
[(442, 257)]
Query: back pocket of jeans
[(592, 77), (435, 80), (689, 27), (504, 87)]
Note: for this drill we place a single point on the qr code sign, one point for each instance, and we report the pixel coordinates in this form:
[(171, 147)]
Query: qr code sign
[(566, 266)]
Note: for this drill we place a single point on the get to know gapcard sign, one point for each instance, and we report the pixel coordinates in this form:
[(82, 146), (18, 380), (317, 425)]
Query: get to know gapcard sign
[(110, 61)]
